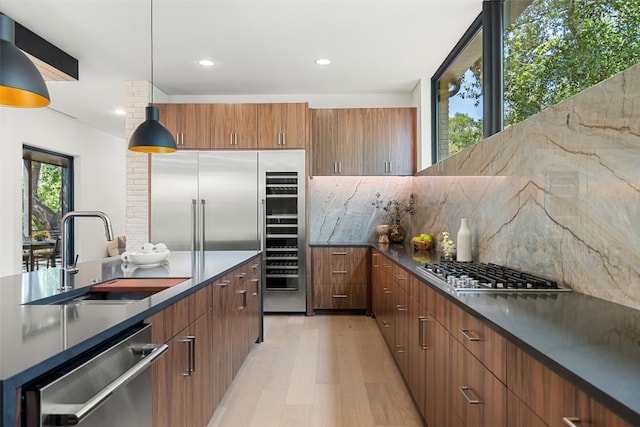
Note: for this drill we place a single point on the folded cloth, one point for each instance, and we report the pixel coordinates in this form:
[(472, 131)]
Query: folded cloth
[(117, 246)]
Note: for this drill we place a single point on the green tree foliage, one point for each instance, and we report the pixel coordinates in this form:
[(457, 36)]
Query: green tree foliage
[(557, 48), (50, 186), (464, 131)]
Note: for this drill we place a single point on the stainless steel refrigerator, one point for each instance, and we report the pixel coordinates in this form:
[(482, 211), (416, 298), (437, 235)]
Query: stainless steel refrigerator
[(232, 200)]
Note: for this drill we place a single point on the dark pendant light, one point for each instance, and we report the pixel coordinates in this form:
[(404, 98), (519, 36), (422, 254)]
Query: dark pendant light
[(21, 84), (151, 136)]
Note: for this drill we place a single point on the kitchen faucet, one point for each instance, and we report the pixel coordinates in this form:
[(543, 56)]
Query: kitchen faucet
[(73, 269)]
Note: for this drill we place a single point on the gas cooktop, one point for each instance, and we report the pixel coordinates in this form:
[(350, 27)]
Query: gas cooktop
[(479, 277)]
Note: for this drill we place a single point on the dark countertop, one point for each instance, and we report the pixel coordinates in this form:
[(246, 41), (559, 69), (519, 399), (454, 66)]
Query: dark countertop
[(593, 343), (35, 338)]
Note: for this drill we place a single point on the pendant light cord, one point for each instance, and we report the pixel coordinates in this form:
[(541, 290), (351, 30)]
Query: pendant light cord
[(151, 38)]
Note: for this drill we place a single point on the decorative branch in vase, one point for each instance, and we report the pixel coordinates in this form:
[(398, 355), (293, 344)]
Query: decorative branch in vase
[(395, 212)]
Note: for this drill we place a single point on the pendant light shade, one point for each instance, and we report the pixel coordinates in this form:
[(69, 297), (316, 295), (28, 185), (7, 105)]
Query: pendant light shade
[(21, 84), (151, 136)]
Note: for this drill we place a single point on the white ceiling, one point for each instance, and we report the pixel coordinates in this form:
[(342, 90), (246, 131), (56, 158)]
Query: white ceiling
[(260, 47)]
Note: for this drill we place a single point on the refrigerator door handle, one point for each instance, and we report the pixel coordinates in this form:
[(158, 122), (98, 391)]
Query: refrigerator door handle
[(194, 225), (202, 222), (262, 226)]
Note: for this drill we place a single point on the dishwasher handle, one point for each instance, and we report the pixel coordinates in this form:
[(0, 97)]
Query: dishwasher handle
[(73, 414)]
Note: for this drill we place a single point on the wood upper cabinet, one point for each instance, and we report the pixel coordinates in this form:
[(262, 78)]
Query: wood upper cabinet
[(390, 140), (234, 126), (188, 123), (282, 126), (337, 137), (363, 141), (340, 276)]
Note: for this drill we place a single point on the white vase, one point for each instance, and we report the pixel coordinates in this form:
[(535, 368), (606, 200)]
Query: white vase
[(463, 243)]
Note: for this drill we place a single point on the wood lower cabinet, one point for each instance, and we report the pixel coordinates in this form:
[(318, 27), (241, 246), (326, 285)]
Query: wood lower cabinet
[(180, 376), (550, 397), (282, 126), (429, 356), (209, 334), (461, 372), (382, 301), (483, 342), (477, 397), (340, 276)]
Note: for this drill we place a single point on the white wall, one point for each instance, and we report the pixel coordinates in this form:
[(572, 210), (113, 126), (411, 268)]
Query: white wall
[(99, 178)]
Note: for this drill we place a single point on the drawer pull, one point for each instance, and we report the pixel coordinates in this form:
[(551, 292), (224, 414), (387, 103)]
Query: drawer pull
[(399, 349), (386, 290), (385, 323), (241, 275), (465, 334), (340, 271), (399, 277), (570, 421), (339, 253), (340, 296), (224, 283), (399, 307), (464, 390)]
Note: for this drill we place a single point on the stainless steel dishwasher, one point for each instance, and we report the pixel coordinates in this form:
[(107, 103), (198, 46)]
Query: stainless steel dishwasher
[(111, 387)]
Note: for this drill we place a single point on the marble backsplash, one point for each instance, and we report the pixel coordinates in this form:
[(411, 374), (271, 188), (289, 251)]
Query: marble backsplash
[(557, 195)]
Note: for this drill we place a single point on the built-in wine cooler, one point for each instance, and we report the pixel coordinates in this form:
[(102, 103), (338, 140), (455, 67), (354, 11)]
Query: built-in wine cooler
[(284, 234)]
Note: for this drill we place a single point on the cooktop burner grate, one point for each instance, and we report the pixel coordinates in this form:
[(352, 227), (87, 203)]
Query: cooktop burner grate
[(479, 277)]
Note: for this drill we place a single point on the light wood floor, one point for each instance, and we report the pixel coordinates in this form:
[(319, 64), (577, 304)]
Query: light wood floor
[(324, 371)]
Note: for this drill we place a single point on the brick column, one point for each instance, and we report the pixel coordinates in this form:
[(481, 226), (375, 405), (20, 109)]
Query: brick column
[(137, 221)]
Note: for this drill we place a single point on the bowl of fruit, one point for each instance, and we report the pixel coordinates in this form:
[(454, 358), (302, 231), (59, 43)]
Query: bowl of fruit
[(422, 242)]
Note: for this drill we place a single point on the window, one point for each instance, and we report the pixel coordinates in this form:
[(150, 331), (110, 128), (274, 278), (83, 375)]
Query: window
[(458, 105), (535, 54), (554, 49), (47, 190)]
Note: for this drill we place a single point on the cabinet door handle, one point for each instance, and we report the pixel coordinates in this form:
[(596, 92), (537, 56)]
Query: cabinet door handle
[(465, 334), (257, 291), (421, 338), (465, 392), (400, 277), (255, 266), (399, 349), (385, 323), (340, 296), (241, 275), (400, 307), (335, 167), (339, 167), (243, 306), (570, 421), (189, 340), (231, 138), (224, 283), (386, 290), (192, 362), (284, 138), (235, 138), (390, 167)]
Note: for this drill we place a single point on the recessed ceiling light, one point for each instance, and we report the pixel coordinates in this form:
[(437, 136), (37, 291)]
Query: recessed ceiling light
[(119, 111), (206, 63), (323, 61)]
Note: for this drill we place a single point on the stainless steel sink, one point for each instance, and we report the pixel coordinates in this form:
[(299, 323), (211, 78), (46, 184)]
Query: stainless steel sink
[(106, 298)]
